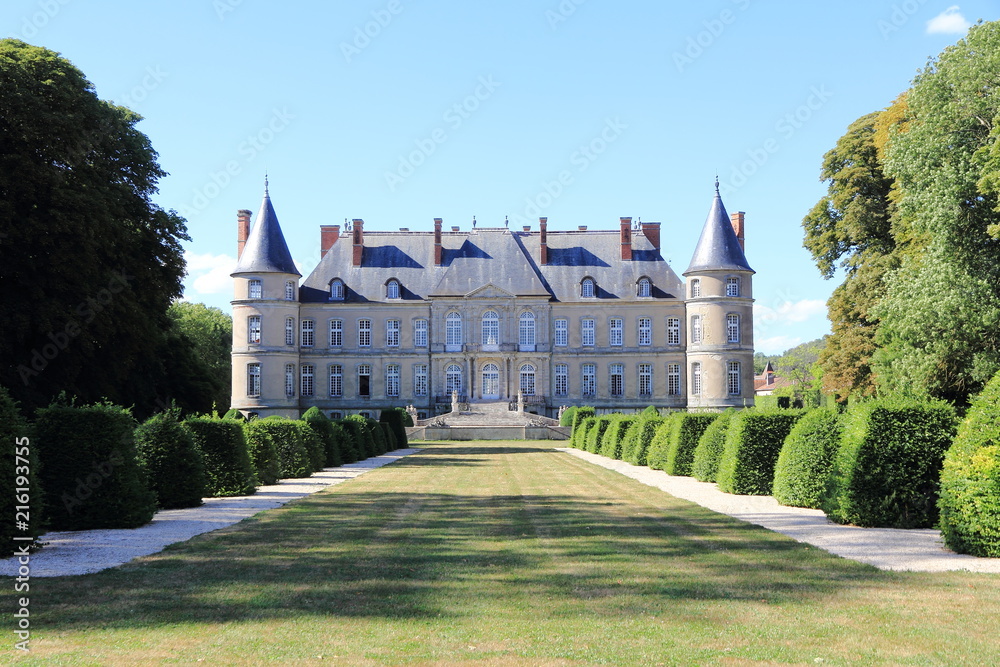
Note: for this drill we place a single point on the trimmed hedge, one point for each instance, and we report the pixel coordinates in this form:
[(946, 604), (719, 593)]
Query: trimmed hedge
[(263, 451), (583, 412), (228, 471), (357, 426), (705, 465), (336, 456), (294, 445), (888, 466), (566, 418), (90, 472), (596, 433), (806, 459), (323, 427), (350, 446), (650, 411), (639, 438), (970, 480), (614, 436), (685, 432), (378, 436), (579, 438), (753, 442), (396, 419), (174, 466), (18, 473), (656, 457)]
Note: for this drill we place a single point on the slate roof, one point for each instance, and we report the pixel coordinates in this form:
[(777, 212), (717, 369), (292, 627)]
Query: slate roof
[(718, 248), (265, 250)]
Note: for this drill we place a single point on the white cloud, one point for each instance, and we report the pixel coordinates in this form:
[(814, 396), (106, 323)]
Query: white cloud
[(949, 22), (208, 273), (789, 312), (776, 344)]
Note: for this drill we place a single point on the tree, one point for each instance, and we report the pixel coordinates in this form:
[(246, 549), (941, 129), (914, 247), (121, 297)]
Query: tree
[(208, 333), (93, 262)]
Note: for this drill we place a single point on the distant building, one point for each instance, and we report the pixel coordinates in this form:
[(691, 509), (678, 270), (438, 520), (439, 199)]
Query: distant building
[(585, 317), (768, 381)]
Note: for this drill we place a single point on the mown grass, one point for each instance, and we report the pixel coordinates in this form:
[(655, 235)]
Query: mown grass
[(507, 554)]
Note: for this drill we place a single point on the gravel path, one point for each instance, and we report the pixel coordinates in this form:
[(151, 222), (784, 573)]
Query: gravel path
[(885, 548), (86, 551)]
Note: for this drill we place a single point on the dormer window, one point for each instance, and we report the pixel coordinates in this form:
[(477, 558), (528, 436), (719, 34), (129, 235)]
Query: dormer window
[(392, 289), (587, 288), (644, 287), (255, 289), (337, 290)]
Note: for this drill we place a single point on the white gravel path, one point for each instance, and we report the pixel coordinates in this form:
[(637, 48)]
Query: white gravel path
[(885, 548), (87, 551)]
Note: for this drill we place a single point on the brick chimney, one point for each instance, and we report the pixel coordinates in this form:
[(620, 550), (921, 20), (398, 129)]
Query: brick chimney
[(626, 239), (328, 235), (359, 240), (651, 230), (242, 230), (543, 224), (438, 253), (737, 220)]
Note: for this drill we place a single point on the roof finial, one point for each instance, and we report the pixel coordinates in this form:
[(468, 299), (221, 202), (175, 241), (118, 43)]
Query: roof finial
[(716, 182), (473, 222), (265, 183)]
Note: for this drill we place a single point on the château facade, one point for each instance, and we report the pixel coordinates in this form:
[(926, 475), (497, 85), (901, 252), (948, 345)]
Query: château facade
[(585, 317)]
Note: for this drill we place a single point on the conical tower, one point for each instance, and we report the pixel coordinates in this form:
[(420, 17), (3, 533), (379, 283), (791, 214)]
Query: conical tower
[(720, 315)]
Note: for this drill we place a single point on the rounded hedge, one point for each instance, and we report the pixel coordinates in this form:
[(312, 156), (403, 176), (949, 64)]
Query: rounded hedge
[(614, 436), (566, 418), (351, 447), (341, 444), (596, 433), (656, 457), (806, 459), (262, 450), (323, 427), (970, 479), (639, 438), (174, 466), (294, 459), (685, 433), (582, 413), (705, 465), (228, 470), (753, 442), (357, 426), (579, 438), (390, 436), (396, 419), (378, 436), (20, 471)]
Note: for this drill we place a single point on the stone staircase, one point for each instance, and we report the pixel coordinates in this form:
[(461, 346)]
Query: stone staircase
[(488, 413), (487, 420)]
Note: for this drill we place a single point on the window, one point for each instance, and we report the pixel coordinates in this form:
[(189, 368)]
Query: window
[(587, 288), (732, 286), (527, 380), (420, 380), (336, 381), (419, 333), (253, 329), (255, 289), (645, 331), (491, 328), (307, 379), (289, 331), (695, 288), (364, 380), (673, 331), (336, 333), (336, 414), (392, 380), (673, 379), (562, 333), (589, 383), (453, 330), (562, 379), (733, 378), (365, 333), (337, 289), (587, 331), (615, 332), (253, 380), (392, 289), (308, 328), (526, 329), (617, 383), (645, 287), (453, 379), (696, 379), (289, 379), (695, 329), (732, 328), (645, 379), (290, 291), (392, 333), (365, 414)]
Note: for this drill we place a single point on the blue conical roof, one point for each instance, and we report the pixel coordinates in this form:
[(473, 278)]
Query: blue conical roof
[(266, 250), (718, 248)]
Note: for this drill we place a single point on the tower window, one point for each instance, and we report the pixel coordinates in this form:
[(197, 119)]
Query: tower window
[(696, 378), (695, 288), (733, 378), (253, 380), (695, 329), (289, 331), (289, 379), (255, 289), (290, 291), (732, 328), (733, 286), (253, 329)]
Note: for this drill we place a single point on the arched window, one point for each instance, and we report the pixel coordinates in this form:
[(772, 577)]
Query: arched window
[(695, 288), (453, 379), (587, 288), (644, 288), (526, 329), (337, 289), (453, 330), (491, 328), (392, 289), (527, 380)]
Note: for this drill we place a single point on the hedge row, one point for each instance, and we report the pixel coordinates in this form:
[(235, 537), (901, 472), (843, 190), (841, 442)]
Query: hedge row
[(675, 449), (705, 464), (753, 443), (807, 458), (639, 439)]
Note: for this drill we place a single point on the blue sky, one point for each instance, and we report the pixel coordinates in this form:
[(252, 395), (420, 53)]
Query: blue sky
[(400, 111)]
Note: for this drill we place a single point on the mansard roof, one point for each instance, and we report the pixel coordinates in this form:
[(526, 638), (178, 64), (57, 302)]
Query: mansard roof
[(265, 250), (718, 248)]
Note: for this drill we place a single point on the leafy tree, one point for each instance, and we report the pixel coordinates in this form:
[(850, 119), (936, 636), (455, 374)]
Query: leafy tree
[(208, 334)]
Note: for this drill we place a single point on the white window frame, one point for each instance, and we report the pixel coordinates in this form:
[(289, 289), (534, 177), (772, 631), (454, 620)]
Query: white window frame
[(392, 333), (673, 379), (392, 289), (289, 290), (588, 380), (364, 333), (733, 380), (307, 333), (644, 288), (645, 331), (732, 328), (696, 381), (588, 288), (561, 332), (645, 379), (454, 379), (255, 289), (561, 380), (420, 333), (253, 380), (253, 329), (616, 379), (289, 331), (392, 381), (336, 333), (526, 330), (289, 380), (673, 331), (420, 380), (490, 328), (588, 329), (695, 288), (616, 332), (453, 330), (696, 330), (733, 286), (337, 289), (526, 376), (308, 386), (336, 381)]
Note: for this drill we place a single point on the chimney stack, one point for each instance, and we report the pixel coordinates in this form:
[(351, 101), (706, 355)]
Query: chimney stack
[(437, 242), (543, 224), (359, 240), (651, 230), (737, 220), (626, 239), (328, 235), (242, 230)]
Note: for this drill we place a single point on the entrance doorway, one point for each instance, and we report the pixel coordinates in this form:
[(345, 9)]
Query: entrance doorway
[(491, 381)]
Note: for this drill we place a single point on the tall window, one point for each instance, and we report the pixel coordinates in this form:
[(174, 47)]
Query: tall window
[(562, 379), (289, 331), (733, 378), (337, 289), (695, 287), (617, 379), (392, 380), (336, 333), (253, 380), (645, 331), (253, 329), (419, 333), (673, 331), (307, 379), (336, 381), (364, 333), (255, 289), (308, 329), (528, 380), (696, 328), (645, 379), (491, 328), (587, 288), (526, 329), (587, 331), (289, 379), (392, 333), (562, 333), (420, 380), (453, 330), (732, 286), (364, 380), (696, 378), (453, 379), (645, 287), (615, 331), (732, 328), (674, 379), (289, 291), (392, 289), (588, 374)]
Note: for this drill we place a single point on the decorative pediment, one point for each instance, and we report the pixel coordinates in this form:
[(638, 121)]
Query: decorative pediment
[(489, 291)]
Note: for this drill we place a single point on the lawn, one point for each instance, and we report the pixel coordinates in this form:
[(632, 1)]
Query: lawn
[(506, 553)]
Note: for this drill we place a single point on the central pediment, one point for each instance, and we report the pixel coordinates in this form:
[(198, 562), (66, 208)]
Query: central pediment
[(489, 291)]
